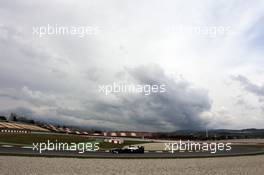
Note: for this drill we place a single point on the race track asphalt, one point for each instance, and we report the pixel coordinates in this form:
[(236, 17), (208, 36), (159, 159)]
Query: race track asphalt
[(236, 151)]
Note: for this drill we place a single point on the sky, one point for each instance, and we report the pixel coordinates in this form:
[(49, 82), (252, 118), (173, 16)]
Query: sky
[(209, 54)]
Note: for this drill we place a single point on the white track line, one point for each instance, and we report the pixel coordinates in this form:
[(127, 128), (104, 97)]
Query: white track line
[(6, 146)]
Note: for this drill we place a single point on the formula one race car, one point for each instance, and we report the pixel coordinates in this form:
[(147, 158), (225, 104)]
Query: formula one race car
[(130, 149)]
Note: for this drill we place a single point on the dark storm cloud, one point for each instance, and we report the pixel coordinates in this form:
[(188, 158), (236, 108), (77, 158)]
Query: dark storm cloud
[(180, 107)]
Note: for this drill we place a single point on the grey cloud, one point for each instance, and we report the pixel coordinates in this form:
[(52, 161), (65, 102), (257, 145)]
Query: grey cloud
[(249, 86), (179, 107), (21, 111), (257, 90), (244, 103)]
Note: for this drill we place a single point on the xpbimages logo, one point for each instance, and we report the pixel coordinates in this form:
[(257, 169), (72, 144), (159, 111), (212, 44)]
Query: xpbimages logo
[(59, 146), (145, 89), (79, 31), (190, 146)]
